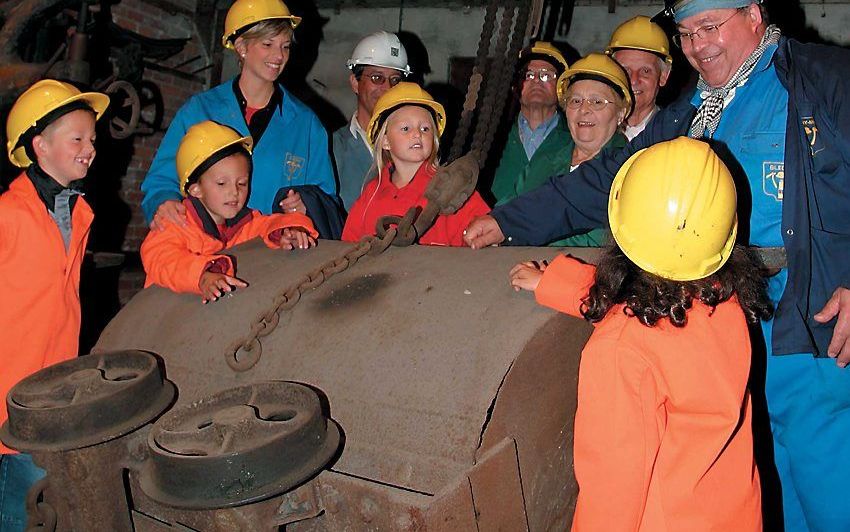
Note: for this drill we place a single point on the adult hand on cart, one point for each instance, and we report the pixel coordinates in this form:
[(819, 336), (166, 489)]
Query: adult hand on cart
[(483, 231)]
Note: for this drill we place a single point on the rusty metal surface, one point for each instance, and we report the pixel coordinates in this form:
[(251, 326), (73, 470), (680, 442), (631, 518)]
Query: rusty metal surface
[(497, 490), (537, 410), (238, 446), (85, 401), (403, 346), (85, 487), (425, 356)]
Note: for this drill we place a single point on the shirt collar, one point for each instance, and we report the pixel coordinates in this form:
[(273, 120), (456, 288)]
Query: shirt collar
[(543, 125), (274, 102), (48, 188), (357, 131)]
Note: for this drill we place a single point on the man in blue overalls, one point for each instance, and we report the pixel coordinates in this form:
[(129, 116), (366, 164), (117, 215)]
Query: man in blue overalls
[(776, 110)]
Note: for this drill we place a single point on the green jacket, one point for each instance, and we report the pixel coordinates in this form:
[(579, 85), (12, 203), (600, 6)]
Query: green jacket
[(596, 237), (517, 175)]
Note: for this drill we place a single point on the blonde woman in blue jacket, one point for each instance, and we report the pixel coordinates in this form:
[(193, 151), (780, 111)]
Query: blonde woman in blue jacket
[(290, 144)]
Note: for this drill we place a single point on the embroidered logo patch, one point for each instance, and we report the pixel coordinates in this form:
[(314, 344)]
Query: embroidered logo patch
[(293, 164), (811, 129), (773, 179)]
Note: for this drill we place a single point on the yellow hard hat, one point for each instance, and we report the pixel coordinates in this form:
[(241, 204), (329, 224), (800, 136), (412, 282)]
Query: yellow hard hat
[(546, 49), (640, 33), (601, 66), (404, 93), (200, 143), (245, 13), (672, 210), (36, 103)]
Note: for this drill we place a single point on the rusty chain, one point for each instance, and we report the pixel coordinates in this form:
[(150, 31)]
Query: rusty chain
[(245, 353), (447, 191)]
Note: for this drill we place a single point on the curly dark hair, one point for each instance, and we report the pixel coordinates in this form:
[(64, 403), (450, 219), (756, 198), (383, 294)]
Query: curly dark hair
[(651, 298)]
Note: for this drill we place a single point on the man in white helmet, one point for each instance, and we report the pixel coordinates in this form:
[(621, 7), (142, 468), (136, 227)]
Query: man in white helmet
[(378, 62), (641, 47)]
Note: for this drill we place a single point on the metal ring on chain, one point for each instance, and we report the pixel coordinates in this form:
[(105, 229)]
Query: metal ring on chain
[(245, 356)]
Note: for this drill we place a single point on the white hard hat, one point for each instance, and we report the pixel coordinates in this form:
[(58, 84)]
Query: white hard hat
[(380, 49)]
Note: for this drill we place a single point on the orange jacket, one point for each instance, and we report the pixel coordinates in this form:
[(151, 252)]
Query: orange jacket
[(176, 256), (40, 309), (663, 435)]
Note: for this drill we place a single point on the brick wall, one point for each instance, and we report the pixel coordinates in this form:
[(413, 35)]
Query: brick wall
[(152, 21)]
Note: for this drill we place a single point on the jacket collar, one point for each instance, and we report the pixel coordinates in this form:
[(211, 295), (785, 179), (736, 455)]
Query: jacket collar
[(225, 232), (48, 188)]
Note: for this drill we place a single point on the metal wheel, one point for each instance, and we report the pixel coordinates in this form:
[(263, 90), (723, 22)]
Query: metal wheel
[(85, 401), (124, 110), (239, 446)]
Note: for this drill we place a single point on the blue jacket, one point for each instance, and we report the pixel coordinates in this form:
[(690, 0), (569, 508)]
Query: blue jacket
[(815, 219), (353, 164), (292, 151)]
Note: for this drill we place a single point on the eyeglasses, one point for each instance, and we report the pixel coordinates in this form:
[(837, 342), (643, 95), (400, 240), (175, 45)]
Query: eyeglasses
[(380, 79), (597, 104), (545, 76), (705, 32)]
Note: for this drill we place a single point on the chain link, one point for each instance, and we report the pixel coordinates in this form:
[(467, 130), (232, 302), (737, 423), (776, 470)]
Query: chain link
[(245, 353)]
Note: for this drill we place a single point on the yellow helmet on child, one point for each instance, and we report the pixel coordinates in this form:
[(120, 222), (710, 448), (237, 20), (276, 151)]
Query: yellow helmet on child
[(200, 143), (600, 66), (245, 13), (672, 210), (38, 102), (640, 33), (404, 93)]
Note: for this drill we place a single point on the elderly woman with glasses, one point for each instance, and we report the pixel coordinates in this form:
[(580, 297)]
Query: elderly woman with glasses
[(595, 96), (290, 144)]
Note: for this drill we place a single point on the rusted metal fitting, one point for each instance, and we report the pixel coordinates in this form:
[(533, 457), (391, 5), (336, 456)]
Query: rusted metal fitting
[(239, 446), (85, 401)]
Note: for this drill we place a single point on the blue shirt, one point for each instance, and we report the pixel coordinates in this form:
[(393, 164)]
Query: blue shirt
[(759, 108), (532, 139)]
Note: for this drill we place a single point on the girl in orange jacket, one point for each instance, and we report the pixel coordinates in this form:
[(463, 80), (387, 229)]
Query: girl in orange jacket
[(663, 429), (214, 166)]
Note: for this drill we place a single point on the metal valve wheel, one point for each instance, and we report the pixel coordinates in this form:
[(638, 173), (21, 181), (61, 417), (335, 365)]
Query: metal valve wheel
[(239, 446), (85, 401)]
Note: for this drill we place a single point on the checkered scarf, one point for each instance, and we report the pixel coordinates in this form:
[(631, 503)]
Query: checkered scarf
[(714, 100)]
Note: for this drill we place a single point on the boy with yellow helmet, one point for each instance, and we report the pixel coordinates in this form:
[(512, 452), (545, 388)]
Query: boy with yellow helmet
[(290, 144), (44, 227), (405, 133), (214, 169), (663, 429)]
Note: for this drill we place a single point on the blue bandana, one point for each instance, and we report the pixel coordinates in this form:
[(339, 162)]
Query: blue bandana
[(688, 8)]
